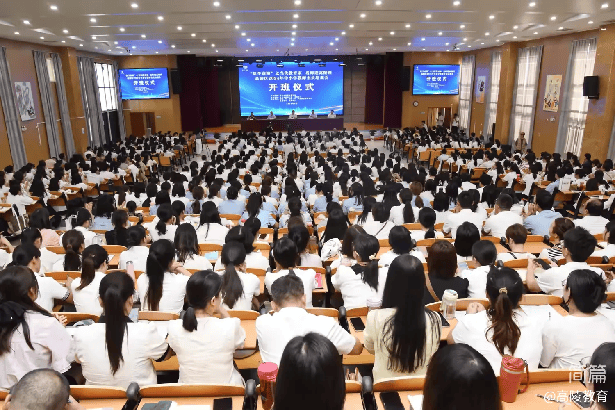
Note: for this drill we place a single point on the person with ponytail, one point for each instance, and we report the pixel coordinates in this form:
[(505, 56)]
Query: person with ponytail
[(206, 338), (115, 351), (405, 212), (120, 222), (295, 210), (137, 240), (569, 342), (239, 289), (362, 281), (166, 226), (254, 208), (194, 207), (287, 258), (85, 288), (211, 229), (320, 204), (50, 291), (30, 337), (33, 236), (356, 201), (73, 243), (403, 335), (401, 243), (163, 286), (503, 329), (81, 221), (187, 248)]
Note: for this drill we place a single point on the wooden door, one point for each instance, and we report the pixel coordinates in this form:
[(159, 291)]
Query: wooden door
[(448, 116), (150, 121), (137, 124)]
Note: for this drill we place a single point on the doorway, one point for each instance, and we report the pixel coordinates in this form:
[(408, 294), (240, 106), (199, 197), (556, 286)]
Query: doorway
[(433, 116), (140, 122)]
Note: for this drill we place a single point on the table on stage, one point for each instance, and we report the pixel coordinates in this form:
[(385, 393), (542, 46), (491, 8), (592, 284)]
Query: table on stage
[(280, 124)]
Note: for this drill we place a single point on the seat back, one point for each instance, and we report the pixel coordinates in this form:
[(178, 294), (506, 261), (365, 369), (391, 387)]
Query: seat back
[(83, 392), (330, 312), (157, 316), (179, 390)]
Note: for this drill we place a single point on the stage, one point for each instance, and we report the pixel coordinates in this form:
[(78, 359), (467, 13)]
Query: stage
[(229, 128)]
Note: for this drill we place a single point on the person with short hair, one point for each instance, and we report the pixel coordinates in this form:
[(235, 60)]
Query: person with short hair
[(41, 389), (484, 256), (607, 246), (290, 319), (462, 213), (442, 268), (310, 375), (331, 114), (271, 116), (594, 222), (578, 246), (497, 224), (516, 238), (540, 214), (567, 340), (557, 231), (602, 357), (401, 243), (467, 235), (312, 115)]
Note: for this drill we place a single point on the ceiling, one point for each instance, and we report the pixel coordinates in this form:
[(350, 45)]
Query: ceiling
[(266, 27)]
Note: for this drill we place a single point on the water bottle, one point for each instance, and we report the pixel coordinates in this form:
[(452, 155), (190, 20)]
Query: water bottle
[(448, 305)]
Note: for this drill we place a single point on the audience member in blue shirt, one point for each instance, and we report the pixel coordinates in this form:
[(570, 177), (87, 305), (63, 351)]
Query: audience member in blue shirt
[(356, 201), (541, 214), (161, 197), (320, 205), (560, 173), (105, 206), (231, 206), (254, 208)]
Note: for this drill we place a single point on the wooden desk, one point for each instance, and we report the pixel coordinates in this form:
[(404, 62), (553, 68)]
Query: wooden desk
[(117, 404), (529, 247), (115, 261), (282, 124)]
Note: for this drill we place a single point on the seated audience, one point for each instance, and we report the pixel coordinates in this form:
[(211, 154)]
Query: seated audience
[(516, 236), (442, 267), (187, 248), (502, 217), (484, 256), (540, 214), (239, 289), (85, 288), (594, 222), (41, 389), (557, 231)]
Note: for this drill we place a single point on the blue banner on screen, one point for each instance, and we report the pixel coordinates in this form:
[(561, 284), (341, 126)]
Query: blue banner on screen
[(436, 79), (138, 84), (282, 89)]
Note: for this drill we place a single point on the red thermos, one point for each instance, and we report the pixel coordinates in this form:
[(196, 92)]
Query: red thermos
[(510, 378), (267, 373)]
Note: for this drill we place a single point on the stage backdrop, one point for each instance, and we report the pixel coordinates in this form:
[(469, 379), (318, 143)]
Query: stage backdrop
[(282, 89)]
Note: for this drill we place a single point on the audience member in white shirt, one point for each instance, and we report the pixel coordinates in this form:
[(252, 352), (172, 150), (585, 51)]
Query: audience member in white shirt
[(206, 338), (497, 224), (85, 288), (15, 197), (138, 251), (331, 114), (466, 236), (210, 228), (290, 319), (293, 115), (187, 248), (166, 226), (163, 286), (401, 243), (484, 256), (81, 222), (462, 213), (518, 334), (116, 351), (578, 246), (239, 289), (48, 344), (569, 339), (593, 221), (312, 115), (608, 244), (516, 238), (381, 225), (271, 116)]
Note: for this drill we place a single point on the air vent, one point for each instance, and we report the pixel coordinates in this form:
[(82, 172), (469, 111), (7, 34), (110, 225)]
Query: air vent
[(6, 23), (44, 31), (577, 17), (505, 33)]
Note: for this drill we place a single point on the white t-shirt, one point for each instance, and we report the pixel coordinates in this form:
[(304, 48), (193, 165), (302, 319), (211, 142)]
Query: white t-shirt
[(216, 233), (205, 355), (88, 236), (141, 345), (355, 292), (379, 229), (551, 281), (169, 234), (388, 257), (594, 224), (52, 349), (276, 330), (136, 254), (48, 259), (477, 279), (251, 286), (86, 299), (471, 329), (174, 291), (507, 256), (497, 225), (197, 262), (454, 220), (49, 289), (307, 277), (396, 214), (569, 339)]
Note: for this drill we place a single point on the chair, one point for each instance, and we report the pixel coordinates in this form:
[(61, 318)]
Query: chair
[(58, 250), (230, 216), (114, 249), (243, 314), (330, 312), (609, 297), (261, 246), (179, 390), (82, 392), (256, 271), (209, 247), (516, 264), (62, 276), (316, 269), (534, 238), (157, 316), (400, 384), (383, 242), (73, 317), (412, 226), (356, 312), (461, 304), (540, 299), (492, 239)]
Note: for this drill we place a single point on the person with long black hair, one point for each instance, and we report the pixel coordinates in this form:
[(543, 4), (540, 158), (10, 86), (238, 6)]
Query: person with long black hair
[(362, 281), (163, 286), (40, 219), (73, 243), (118, 236), (356, 200), (166, 226), (239, 289), (137, 253), (115, 351), (211, 229), (503, 329), (81, 221), (401, 243), (254, 208), (206, 338), (337, 224), (85, 288), (187, 248), (30, 337), (403, 335), (406, 212), (381, 225)]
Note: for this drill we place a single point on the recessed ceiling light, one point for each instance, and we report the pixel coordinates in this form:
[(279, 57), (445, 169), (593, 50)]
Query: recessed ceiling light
[(228, 17), (462, 26), (292, 44), (237, 26), (392, 33), (53, 7), (590, 22), (160, 42), (407, 25), (122, 29), (27, 22), (487, 33), (464, 39), (423, 39), (93, 37), (491, 17), (456, 3), (216, 51), (515, 27), (336, 49), (331, 43), (351, 25), (298, 2), (81, 45), (179, 27), (252, 44), (380, 39), (603, 28), (428, 16), (161, 18), (515, 37), (156, 52), (561, 28), (96, 47), (173, 46), (366, 49), (532, 4), (363, 15), (187, 51), (115, 42), (423, 49), (394, 49), (292, 33), (216, 3), (134, 47), (497, 40), (343, 33), (248, 40), (93, 20), (63, 41), (109, 50), (203, 41), (446, 44), (16, 33), (482, 43), (292, 38), (143, 36), (243, 33), (604, 6), (213, 45), (336, 39), (193, 34), (294, 26), (553, 18), (469, 46), (440, 33), (408, 44), (370, 44), (65, 31), (134, 5), (296, 16), (378, 2), (536, 32)]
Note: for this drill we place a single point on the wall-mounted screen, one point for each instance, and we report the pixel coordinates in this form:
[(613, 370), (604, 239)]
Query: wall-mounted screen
[(137, 84), (436, 79), (315, 86)]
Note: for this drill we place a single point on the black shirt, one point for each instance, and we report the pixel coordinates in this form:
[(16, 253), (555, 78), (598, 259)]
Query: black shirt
[(439, 285)]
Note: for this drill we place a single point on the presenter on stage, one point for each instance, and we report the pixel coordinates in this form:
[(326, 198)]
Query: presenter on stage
[(313, 115), (331, 114), (252, 116), (271, 116), (293, 115)]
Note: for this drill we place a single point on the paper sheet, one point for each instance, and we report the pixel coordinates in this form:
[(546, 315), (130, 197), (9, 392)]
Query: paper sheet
[(416, 402)]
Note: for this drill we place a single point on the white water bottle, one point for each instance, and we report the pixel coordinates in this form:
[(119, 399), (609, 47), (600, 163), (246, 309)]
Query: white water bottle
[(448, 305)]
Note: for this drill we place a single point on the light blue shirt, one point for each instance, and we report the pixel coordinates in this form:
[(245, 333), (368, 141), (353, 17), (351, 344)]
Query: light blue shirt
[(231, 207), (320, 205), (350, 203), (539, 224), (101, 223), (153, 210), (552, 186), (264, 216)]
